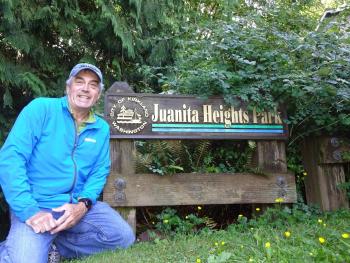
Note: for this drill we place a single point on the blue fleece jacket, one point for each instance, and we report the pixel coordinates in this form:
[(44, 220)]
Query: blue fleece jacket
[(45, 162)]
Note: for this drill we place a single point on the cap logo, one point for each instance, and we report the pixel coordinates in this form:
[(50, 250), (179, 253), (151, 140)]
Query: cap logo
[(79, 67)]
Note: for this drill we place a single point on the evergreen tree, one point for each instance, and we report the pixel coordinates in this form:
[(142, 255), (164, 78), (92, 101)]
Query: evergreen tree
[(41, 41)]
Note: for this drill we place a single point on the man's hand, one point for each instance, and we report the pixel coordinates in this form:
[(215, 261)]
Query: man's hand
[(42, 222), (71, 216)]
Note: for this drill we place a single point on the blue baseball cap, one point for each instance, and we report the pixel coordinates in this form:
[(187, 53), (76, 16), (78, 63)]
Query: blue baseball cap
[(81, 66)]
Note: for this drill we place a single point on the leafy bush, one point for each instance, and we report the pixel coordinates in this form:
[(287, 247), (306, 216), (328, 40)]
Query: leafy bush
[(267, 54), (170, 223)]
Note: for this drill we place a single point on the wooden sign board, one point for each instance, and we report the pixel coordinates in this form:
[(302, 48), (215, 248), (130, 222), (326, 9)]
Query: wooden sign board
[(149, 116)]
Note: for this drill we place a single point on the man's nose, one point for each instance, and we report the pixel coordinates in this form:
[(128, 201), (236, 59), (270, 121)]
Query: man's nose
[(85, 87)]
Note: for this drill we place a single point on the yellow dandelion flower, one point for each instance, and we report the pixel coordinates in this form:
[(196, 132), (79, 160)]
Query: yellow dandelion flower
[(279, 200), (305, 173), (324, 225), (319, 221), (322, 240), (287, 234), (216, 243), (257, 209), (165, 221), (223, 243), (345, 235), (240, 215), (199, 208), (186, 217), (311, 254), (242, 246), (251, 260), (267, 244), (198, 260)]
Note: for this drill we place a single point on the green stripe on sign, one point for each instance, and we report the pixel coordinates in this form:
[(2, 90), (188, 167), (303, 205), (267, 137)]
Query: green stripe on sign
[(237, 126)]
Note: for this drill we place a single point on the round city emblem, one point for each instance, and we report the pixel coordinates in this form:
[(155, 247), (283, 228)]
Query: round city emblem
[(129, 115)]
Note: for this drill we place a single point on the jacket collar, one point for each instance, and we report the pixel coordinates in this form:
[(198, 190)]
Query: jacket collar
[(65, 106)]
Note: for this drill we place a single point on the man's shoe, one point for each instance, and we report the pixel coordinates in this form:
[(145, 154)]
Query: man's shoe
[(54, 255)]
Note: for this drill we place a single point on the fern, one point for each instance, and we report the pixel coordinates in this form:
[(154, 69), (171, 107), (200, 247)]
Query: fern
[(142, 161), (256, 171), (175, 148), (200, 152), (171, 156), (250, 151)]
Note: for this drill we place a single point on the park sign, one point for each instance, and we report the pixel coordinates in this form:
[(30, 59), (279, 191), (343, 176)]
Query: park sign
[(150, 116)]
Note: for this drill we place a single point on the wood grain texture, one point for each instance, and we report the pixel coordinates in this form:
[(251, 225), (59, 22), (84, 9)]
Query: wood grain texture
[(323, 179), (190, 189), (270, 156), (331, 150)]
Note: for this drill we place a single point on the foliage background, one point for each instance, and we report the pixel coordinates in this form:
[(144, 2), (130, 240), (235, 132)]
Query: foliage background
[(265, 52), (269, 53)]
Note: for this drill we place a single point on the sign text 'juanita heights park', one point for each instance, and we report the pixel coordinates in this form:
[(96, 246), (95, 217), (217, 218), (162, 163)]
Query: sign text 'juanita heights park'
[(185, 117)]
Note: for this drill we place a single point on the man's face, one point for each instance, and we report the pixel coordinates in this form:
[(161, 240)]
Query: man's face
[(84, 90)]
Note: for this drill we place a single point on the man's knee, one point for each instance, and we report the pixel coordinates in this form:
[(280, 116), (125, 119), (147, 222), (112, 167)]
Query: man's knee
[(22, 255), (22, 244), (121, 236), (118, 232), (128, 238)]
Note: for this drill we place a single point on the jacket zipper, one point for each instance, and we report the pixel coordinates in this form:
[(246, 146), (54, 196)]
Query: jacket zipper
[(74, 163)]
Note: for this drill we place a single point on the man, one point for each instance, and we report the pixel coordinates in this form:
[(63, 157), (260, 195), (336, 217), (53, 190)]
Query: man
[(53, 166)]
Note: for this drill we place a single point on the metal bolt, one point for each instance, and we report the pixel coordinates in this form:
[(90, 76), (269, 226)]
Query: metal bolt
[(335, 142), (281, 181), (120, 184), (337, 155)]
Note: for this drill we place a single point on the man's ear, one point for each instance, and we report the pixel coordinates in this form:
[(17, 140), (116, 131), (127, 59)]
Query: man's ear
[(67, 89)]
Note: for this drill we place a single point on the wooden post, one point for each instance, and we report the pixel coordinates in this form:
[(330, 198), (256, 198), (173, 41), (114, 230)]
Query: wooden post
[(325, 171), (122, 157), (270, 157)]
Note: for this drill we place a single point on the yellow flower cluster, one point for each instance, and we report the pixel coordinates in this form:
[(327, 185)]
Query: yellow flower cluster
[(279, 200), (222, 243)]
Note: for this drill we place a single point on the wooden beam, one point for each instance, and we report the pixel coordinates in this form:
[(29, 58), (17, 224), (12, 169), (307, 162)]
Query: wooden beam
[(132, 190)]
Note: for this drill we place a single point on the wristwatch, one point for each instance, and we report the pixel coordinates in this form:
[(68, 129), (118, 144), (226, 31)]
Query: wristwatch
[(87, 202)]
